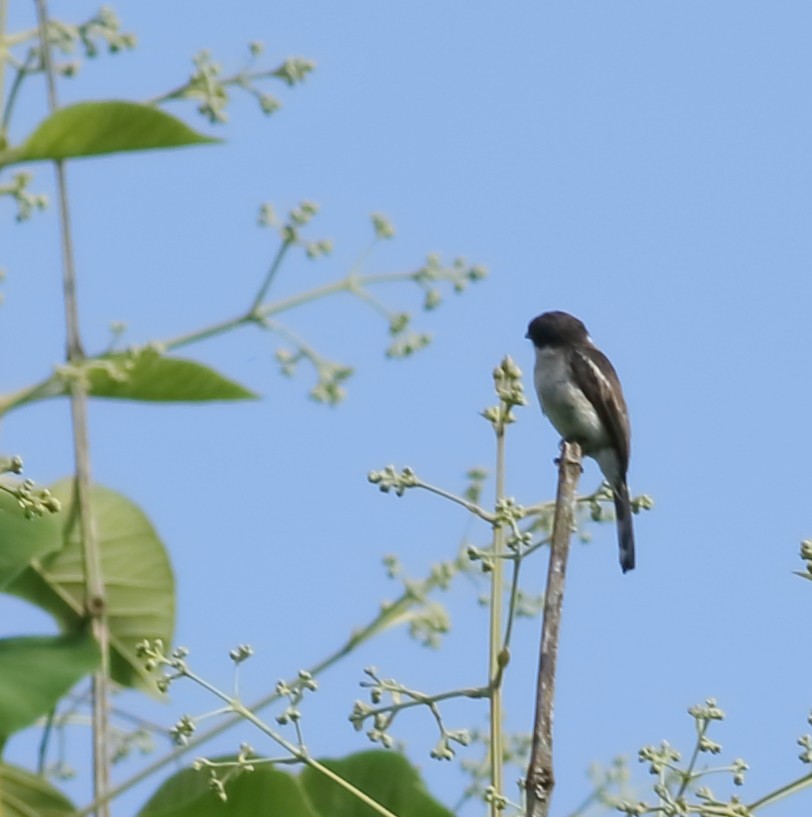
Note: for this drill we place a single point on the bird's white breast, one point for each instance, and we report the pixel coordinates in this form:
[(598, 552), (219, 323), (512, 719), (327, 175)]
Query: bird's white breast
[(563, 402)]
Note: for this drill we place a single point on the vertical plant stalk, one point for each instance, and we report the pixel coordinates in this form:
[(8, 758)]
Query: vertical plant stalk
[(540, 777), (3, 18), (95, 605), (496, 658)]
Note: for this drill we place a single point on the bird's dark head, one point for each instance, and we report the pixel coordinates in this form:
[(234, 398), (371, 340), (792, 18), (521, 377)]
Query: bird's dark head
[(556, 329)]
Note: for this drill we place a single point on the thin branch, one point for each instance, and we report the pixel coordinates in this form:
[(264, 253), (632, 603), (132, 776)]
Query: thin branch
[(512, 599), (94, 583), (688, 775), (240, 79), (274, 268), (497, 655), (258, 312), (421, 699), (22, 72), (540, 777), (785, 791), (471, 507)]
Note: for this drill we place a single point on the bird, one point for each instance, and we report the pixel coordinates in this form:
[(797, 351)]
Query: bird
[(580, 393)]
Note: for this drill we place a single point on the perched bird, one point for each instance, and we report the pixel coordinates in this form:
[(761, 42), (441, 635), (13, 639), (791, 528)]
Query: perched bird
[(579, 391)]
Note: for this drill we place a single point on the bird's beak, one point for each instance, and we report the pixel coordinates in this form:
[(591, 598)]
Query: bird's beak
[(527, 335)]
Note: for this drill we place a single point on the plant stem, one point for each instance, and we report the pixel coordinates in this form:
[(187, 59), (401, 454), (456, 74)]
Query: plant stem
[(496, 658), (95, 605), (512, 599), (420, 699), (257, 312), (688, 774), (3, 53), (471, 507), (241, 78), (23, 71), (207, 332), (266, 284), (540, 777), (785, 791)]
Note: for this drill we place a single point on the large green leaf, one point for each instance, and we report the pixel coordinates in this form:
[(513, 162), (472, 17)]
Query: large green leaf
[(143, 374), (387, 777), (97, 128), (22, 540), (36, 672), (138, 580), (23, 794)]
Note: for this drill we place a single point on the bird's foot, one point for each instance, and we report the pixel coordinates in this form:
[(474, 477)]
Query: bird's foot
[(561, 445)]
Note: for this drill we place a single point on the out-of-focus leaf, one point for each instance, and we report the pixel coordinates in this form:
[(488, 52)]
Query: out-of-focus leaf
[(22, 540), (35, 672), (264, 792), (23, 794), (387, 777), (138, 580)]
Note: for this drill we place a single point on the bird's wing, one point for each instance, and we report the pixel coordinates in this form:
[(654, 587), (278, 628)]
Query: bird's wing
[(598, 380)]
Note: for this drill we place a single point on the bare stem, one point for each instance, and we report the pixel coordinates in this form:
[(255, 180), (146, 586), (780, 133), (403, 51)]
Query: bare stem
[(497, 655), (785, 791), (94, 583), (22, 72), (471, 507), (421, 699), (3, 51), (274, 268), (540, 777), (240, 78), (257, 312)]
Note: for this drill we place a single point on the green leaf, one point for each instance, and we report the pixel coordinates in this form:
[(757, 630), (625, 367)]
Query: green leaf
[(36, 672), (139, 585), (98, 128), (23, 794), (142, 374), (264, 792), (147, 375), (21, 539), (387, 777)]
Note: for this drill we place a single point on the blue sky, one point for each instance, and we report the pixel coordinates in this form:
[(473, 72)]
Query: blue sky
[(645, 166)]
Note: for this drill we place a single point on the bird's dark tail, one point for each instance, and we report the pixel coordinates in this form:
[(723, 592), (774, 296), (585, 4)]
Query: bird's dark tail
[(625, 531)]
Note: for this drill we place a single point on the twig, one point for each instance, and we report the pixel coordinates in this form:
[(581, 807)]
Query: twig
[(801, 783), (95, 605), (540, 777)]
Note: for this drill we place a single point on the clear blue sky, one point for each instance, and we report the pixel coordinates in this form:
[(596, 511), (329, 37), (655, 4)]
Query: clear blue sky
[(646, 166)]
